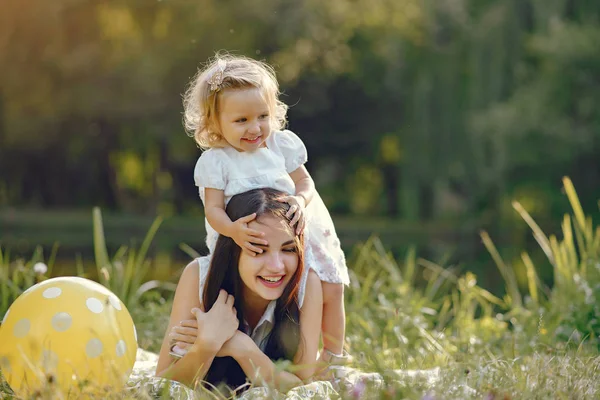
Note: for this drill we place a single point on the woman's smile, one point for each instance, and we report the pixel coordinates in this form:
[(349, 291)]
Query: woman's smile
[(272, 281)]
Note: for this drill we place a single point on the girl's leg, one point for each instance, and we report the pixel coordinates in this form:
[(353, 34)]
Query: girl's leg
[(334, 317)]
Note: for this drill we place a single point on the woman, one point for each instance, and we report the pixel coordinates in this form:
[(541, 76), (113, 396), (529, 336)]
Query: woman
[(248, 313)]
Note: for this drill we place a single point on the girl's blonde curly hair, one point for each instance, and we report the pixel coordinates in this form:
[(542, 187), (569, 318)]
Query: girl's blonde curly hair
[(224, 71)]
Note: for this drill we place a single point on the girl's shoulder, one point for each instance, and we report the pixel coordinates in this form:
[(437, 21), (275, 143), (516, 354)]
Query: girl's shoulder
[(211, 169), (213, 153), (291, 147), (212, 159), (286, 139)]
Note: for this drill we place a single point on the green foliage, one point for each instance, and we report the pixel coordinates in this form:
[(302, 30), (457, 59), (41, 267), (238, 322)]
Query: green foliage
[(124, 273), (151, 319), (569, 312), (573, 303), (463, 89), (413, 314), (18, 275)]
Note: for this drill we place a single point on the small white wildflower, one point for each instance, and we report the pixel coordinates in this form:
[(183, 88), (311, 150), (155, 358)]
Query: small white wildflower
[(40, 268), (473, 340)]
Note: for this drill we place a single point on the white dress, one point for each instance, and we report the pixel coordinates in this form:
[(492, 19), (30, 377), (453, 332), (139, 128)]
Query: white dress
[(237, 172)]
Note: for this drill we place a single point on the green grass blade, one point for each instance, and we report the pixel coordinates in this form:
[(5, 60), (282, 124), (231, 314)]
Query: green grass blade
[(366, 289), (52, 258), (488, 297), (151, 285), (507, 273), (575, 204), (434, 267), (187, 249), (100, 251), (129, 283), (410, 265), (571, 258), (439, 276), (532, 279), (561, 273), (148, 239), (120, 253), (596, 245), (538, 234), (79, 265), (386, 261), (445, 313), (141, 266)]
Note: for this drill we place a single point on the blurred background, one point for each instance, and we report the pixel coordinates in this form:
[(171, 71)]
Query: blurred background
[(424, 119)]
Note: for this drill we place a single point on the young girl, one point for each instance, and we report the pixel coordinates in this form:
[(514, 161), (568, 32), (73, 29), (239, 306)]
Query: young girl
[(233, 110)]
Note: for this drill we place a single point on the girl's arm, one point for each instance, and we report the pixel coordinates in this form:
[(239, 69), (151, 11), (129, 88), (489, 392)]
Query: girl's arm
[(259, 368), (246, 238), (214, 208), (305, 186), (195, 363), (311, 316)]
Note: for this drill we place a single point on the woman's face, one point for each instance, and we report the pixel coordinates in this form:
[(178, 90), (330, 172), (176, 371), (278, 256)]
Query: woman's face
[(267, 274)]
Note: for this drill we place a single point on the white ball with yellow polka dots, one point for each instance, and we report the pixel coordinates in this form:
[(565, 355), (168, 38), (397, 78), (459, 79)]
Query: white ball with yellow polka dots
[(70, 332)]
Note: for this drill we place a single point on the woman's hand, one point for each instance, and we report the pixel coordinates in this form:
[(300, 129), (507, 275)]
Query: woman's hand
[(235, 346), (296, 212), (245, 237), (218, 325)]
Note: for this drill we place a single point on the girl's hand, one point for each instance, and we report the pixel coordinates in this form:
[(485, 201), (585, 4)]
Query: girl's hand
[(296, 211), (183, 336), (218, 325), (245, 237), (234, 346)]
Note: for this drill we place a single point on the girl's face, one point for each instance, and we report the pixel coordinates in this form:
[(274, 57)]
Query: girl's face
[(266, 275), (244, 118)]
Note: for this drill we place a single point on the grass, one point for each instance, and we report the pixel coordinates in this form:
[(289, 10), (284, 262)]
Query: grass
[(412, 314), (23, 230)]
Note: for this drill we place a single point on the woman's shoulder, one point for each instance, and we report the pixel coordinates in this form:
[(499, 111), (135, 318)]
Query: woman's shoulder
[(191, 272), (188, 286)]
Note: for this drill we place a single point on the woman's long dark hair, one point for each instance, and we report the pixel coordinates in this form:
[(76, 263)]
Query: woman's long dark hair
[(224, 273)]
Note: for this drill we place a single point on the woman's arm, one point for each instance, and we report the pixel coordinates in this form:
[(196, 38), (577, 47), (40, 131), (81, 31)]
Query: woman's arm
[(196, 362), (259, 368)]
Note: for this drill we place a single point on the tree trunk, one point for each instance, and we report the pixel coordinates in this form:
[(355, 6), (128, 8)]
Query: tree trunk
[(391, 181), (426, 201), (107, 180)]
